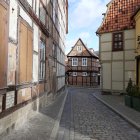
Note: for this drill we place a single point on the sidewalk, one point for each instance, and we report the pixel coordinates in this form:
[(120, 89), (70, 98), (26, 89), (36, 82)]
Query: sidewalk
[(43, 126), (116, 103)]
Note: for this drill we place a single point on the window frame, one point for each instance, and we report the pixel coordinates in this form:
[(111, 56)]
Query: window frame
[(117, 41), (42, 60), (84, 74), (84, 64), (74, 74), (79, 48), (75, 62)]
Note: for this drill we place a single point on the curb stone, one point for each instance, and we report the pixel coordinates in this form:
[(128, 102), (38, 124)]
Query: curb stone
[(119, 113), (57, 121)]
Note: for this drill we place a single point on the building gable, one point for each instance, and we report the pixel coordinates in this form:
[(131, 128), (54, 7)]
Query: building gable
[(80, 49)]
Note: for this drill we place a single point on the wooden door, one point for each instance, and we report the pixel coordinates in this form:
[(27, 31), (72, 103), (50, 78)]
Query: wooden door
[(3, 45)]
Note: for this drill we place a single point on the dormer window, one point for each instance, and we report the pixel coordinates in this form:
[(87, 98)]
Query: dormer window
[(79, 48)]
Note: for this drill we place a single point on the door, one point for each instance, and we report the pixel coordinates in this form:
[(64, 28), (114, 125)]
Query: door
[(3, 45)]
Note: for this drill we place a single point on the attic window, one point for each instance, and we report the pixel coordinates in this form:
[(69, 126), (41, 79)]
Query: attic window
[(117, 41), (79, 48)]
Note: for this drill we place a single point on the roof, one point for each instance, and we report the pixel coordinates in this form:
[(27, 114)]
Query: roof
[(92, 54), (135, 13), (118, 16)]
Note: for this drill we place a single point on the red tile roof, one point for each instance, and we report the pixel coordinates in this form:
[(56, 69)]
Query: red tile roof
[(118, 16)]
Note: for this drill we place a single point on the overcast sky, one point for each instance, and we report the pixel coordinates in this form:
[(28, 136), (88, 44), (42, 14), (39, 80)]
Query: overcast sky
[(85, 16)]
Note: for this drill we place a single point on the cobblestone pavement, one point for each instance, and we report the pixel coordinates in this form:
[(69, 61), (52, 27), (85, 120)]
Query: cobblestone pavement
[(86, 118), (40, 126)]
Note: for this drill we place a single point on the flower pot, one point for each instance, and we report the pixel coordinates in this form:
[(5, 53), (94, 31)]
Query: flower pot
[(128, 100), (136, 103)]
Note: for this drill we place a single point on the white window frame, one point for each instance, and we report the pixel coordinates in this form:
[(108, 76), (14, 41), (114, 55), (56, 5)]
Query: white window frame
[(84, 61), (84, 74), (79, 48), (74, 74), (74, 61)]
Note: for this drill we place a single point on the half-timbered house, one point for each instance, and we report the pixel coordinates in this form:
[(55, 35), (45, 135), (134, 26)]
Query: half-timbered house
[(82, 66), (32, 52)]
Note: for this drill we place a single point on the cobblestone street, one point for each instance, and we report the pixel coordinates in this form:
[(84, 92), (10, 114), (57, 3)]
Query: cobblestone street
[(86, 118)]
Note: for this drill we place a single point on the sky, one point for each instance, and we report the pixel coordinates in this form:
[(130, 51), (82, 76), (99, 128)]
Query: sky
[(85, 16)]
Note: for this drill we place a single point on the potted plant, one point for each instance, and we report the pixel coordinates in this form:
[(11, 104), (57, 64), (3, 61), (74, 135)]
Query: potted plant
[(128, 96), (136, 98)]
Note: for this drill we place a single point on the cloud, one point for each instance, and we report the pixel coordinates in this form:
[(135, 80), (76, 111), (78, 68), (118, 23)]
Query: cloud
[(87, 12)]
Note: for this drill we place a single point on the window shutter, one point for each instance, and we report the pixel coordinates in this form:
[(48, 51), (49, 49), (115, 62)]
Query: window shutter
[(3, 46), (25, 53)]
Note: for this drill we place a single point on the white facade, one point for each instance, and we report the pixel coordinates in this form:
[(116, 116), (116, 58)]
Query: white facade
[(117, 66)]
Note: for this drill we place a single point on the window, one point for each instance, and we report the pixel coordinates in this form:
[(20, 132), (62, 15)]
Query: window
[(42, 14), (74, 73), (74, 61), (54, 51), (84, 73), (117, 41), (79, 48), (54, 16), (42, 60), (84, 61)]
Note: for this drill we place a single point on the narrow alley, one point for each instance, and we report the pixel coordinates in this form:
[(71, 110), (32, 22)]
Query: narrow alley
[(83, 118), (86, 118)]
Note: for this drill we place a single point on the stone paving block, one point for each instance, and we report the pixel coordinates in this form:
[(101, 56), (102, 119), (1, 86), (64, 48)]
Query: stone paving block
[(92, 120)]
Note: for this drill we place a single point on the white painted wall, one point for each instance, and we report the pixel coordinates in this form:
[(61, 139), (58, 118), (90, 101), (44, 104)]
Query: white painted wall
[(25, 16), (13, 20), (106, 73), (117, 65), (35, 68), (35, 37)]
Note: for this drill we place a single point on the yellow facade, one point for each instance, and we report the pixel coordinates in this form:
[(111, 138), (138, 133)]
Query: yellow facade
[(137, 19)]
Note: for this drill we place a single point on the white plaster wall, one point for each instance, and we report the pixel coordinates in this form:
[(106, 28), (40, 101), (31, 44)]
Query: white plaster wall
[(105, 56), (35, 68), (117, 85), (106, 75), (130, 74), (106, 46), (30, 2), (13, 20), (130, 65), (107, 37), (129, 55), (37, 8), (130, 44), (129, 34), (117, 71), (118, 55), (36, 37), (25, 16)]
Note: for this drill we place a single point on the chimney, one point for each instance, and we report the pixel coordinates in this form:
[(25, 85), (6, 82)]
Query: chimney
[(91, 49)]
